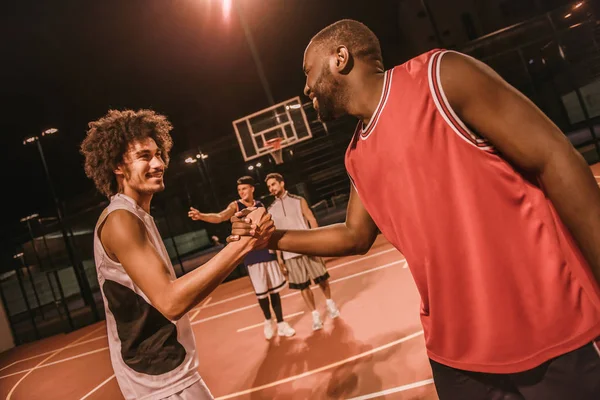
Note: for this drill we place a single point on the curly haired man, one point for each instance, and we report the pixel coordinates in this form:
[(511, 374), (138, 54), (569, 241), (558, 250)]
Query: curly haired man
[(152, 345)]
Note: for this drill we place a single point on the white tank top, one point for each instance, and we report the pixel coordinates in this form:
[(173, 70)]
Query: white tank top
[(286, 213), (152, 357)]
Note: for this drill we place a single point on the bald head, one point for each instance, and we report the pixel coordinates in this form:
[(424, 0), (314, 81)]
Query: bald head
[(360, 41), (339, 63)]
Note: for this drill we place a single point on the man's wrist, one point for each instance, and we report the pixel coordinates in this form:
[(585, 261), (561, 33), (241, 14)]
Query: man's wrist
[(244, 244)]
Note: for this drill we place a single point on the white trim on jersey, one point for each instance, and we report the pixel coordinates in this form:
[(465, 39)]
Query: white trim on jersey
[(595, 344), (385, 95), (476, 141)]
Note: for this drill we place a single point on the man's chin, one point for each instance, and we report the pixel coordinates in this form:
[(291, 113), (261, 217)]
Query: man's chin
[(331, 114), (326, 117), (156, 188)]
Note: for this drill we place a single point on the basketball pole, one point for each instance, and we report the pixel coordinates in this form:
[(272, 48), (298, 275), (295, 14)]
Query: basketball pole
[(255, 56), (254, 51)]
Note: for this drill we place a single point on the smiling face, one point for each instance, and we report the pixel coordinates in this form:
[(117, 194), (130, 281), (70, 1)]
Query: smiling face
[(142, 170), (246, 192), (324, 85)]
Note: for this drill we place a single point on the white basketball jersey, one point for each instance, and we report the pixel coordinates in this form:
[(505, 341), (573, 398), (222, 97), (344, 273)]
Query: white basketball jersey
[(286, 213), (152, 356)]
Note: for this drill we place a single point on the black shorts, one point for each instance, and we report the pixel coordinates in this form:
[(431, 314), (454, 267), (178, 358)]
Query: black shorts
[(572, 376)]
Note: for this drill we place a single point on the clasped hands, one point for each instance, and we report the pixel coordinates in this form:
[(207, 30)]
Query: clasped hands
[(254, 222)]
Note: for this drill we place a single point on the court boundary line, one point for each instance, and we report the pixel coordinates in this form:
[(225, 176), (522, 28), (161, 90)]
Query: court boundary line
[(98, 387), (396, 389), (196, 310), (240, 309), (204, 305), (328, 268), (79, 341), (48, 352), (76, 343), (323, 368), (87, 353), (9, 396), (285, 317)]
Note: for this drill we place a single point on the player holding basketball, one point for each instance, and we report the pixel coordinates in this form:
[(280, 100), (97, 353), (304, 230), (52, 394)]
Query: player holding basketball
[(497, 214), (263, 268), (152, 345), (290, 211)]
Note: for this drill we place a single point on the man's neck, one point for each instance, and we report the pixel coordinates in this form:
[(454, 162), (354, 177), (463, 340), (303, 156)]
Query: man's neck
[(141, 199), (282, 194), (366, 97), (248, 203)]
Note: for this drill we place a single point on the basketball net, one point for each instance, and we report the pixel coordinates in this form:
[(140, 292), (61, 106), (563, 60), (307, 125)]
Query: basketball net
[(276, 151)]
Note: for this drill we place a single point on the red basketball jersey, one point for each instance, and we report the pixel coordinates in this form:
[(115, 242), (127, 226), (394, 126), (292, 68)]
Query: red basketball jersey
[(503, 285)]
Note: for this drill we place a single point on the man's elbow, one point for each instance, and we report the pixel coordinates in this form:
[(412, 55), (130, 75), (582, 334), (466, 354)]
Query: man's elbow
[(361, 247), (171, 308), (171, 312)]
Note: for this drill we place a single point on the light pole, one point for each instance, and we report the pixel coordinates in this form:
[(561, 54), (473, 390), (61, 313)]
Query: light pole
[(203, 171), (254, 51), (54, 271), (436, 31), (27, 220), (86, 291), (18, 271)]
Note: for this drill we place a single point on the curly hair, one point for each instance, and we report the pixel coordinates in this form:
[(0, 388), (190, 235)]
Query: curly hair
[(108, 139)]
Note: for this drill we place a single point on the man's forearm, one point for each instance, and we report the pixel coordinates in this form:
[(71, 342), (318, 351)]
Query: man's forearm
[(576, 197), (189, 290), (329, 241), (212, 218)]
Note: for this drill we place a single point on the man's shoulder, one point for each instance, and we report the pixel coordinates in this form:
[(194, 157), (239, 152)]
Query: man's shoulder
[(272, 205), (296, 197)]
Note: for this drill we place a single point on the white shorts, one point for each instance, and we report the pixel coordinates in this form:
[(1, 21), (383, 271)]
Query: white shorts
[(197, 391), (266, 278)]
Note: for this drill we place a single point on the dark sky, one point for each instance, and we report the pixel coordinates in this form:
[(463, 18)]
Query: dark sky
[(67, 62)]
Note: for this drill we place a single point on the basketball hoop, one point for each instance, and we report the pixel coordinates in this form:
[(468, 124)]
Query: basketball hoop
[(276, 152)]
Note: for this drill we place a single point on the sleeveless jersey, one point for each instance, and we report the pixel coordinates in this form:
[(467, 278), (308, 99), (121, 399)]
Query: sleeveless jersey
[(152, 357), (287, 214), (256, 256), (503, 285)]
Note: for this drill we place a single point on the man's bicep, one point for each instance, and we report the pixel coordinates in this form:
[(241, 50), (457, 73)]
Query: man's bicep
[(491, 107), (229, 212), (306, 211), (358, 220), (126, 237)]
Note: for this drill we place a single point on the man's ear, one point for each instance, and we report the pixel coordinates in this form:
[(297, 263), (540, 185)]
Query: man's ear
[(342, 61)]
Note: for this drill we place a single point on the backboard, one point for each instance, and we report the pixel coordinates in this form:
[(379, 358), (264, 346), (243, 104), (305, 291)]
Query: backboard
[(286, 120)]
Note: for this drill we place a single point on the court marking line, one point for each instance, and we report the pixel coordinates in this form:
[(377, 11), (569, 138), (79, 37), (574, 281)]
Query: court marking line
[(323, 368), (298, 292), (200, 308), (97, 387), (78, 342), (87, 353), (194, 323), (329, 269), (48, 352), (396, 389), (9, 396), (285, 317)]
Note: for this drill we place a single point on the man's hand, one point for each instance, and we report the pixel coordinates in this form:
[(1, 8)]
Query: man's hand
[(283, 269), (262, 227), (241, 225), (194, 214)]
